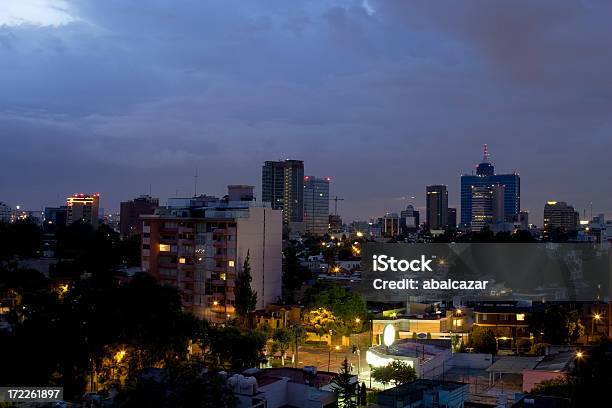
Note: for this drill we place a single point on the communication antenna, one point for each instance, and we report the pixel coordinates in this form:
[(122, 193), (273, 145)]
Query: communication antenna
[(485, 153), (195, 183)]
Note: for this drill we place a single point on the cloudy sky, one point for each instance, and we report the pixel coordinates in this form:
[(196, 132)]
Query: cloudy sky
[(384, 96)]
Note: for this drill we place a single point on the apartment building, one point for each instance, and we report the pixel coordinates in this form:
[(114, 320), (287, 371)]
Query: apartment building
[(202, 249)]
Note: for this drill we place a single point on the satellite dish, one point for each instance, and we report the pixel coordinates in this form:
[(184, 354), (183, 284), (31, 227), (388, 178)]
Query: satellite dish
[(388, 335)]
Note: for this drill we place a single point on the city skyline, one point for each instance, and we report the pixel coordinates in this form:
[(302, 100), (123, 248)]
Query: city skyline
[(361, 91)]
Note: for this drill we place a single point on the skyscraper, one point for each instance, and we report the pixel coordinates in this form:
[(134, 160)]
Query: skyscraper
[(482, 210), (83, 207), (282, 185), (316, 205), (437, 207), (560, 215), (485, 176), (452, 218)]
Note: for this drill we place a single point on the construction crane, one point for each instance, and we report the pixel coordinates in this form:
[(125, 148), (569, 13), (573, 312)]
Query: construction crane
[(335, 200)]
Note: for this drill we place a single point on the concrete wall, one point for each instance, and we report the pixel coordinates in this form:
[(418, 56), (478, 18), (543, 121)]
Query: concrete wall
[(261, 235)]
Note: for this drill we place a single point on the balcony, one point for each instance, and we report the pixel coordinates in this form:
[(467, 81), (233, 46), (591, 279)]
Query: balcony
[(220, 244)]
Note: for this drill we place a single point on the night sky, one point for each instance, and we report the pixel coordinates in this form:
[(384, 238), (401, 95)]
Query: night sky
[(384, 96)]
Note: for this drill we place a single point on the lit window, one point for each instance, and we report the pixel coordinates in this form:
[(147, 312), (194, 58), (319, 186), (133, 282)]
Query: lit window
[(182, 260), (164, 248), (231, 263), (520, 316), (222, 276)]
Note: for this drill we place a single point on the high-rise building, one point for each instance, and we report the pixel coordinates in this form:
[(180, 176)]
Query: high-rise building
[(482, 207), (390, 225), (452, 218), (497, 204), (83, 207), (409, 220), (130, 212), (485, 176), (557, 214), (524, 220), (316, 205), (437, 207), (282, 185), (201, 251), (335, 223)]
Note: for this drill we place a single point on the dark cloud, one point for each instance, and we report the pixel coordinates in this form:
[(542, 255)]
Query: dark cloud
[(384, 96)]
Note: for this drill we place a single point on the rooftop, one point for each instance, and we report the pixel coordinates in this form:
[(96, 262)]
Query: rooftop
[(296, 375)]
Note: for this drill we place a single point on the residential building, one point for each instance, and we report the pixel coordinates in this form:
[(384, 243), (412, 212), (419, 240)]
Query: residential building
[(507, 320), (282, 186), (558, 214), (201, 249), (83, 207), (485, 177), (130, 212), (316, 205), (550, 367), (437, 207), (284, 387)]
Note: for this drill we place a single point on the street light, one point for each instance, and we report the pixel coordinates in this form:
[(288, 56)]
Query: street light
[(579, 355)]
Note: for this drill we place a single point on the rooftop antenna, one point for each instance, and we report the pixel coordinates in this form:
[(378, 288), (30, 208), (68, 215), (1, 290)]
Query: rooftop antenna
[(195, 183), (485, 152)]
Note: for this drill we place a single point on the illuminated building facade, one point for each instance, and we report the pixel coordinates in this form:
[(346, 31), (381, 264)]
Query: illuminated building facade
[(557, 214), (83, 207), (485, 177)]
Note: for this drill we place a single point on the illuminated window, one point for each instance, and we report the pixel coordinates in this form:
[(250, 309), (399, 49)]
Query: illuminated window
[(520, 316), (222, 276), (164, 248), (231, 263), (182, 260)]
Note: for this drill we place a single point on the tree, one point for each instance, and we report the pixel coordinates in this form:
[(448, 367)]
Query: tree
[(402, 373), (232, 348), (345, 387), (283, 338), (363, 395), (556, 325), (483, 341), (294, 273), (180, 385), (346, 307), (396, 371), (557, 387), (246, 299), (383, 374)]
